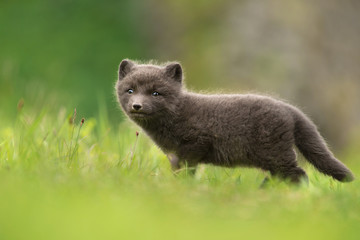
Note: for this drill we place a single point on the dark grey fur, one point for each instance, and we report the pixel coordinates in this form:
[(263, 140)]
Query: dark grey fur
[(224, 130)]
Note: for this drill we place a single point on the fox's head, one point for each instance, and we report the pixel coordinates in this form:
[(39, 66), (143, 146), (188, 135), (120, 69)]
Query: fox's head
[(146, 91)]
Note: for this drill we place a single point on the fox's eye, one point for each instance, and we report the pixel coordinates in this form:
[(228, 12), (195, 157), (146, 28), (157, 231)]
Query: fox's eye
[(130, 91), (155, 93)]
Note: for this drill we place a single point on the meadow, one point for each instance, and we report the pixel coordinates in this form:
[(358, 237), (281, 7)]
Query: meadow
[(103, 178), (65, 178)]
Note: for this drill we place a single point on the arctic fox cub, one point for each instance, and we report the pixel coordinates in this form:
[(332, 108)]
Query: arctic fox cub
[(224, 130)]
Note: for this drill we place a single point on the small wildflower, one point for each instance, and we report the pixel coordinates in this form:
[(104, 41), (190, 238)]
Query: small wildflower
[(133, 149), (74, 116), (82, 121), (20, 104)]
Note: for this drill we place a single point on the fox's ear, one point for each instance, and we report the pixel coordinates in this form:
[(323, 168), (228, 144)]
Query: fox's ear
[(125, 67), (174, 71)]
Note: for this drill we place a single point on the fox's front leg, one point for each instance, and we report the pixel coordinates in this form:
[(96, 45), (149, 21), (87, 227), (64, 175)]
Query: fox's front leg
[(176, 165), (174, 161)]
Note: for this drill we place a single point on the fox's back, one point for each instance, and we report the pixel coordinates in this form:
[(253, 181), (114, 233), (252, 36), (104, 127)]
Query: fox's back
[(235, 113)]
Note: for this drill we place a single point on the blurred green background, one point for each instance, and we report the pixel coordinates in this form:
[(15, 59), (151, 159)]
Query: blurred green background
[(66, 53)]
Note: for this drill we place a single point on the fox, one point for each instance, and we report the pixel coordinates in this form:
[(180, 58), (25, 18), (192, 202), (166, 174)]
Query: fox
[(228, 130)]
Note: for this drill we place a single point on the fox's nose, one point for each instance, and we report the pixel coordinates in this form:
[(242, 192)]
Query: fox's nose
[(136, 106)]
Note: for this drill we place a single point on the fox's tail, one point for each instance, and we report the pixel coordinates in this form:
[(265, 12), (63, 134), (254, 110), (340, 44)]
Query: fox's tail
[(310, 143)]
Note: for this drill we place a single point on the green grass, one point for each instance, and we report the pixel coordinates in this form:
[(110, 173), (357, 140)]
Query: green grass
[(58, 181)]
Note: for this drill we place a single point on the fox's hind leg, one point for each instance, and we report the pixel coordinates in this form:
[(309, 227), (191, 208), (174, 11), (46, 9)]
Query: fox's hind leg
[(293, 174), (285, 167)]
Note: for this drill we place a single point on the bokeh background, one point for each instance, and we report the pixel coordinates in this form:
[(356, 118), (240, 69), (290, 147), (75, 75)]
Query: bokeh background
[(66, 53)]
